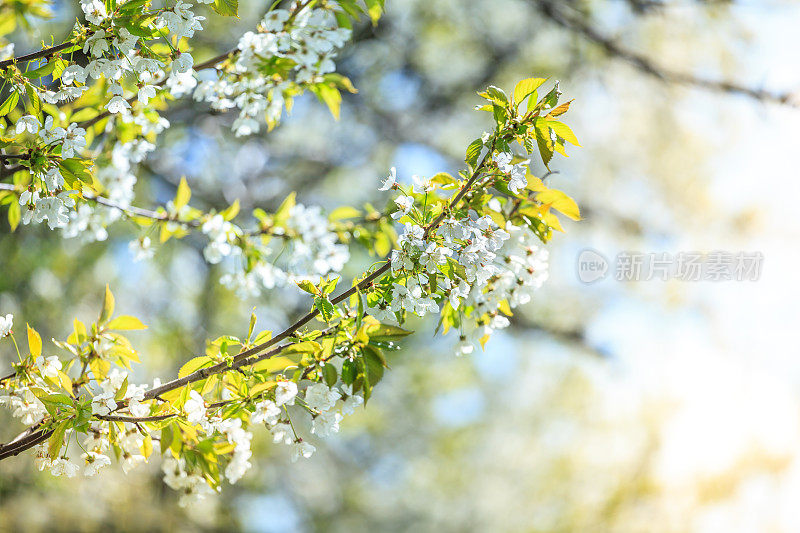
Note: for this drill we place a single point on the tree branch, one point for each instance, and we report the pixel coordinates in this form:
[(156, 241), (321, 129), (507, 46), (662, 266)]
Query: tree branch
[(26, 440), (46, 52), (257, 353), (576, 24)]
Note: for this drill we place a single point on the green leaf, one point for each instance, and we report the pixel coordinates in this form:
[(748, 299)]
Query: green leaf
[(495, 95), (343, 82), (375, 363), (304, 347), (227, 8), (560, 202), (500, 114), (166, 438), (473, 152), (122, 390), (331, 96), (108, 307), (349, 371), (560, 110), (57, 439), (544, 140), (384, 332), (307, 286), (87, 113), (33, 99), (258, 388), (194, 364), (132, 5), (9, 104), (262, 337), (58, 398), (41, 70), (74, 171), (252, 325), (325, 308), (563, 131), (126, 322), (183, 194), (374, 9), (232, 210), (551, 98), (328, 286), (360, 315), (283, 212), (147, 446), (14, 215), (140, 28), (34, 342), (329, 374), (527, 87)]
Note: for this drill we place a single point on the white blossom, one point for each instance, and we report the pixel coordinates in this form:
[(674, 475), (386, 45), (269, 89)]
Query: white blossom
[(422, 185), (319, 397), (183, 63), (266, 412), (131, 461), (324, 424), (352, 401), (141, 249), (50, 367), (390, 181), (404, 205), (145, 93), (282, 432), (103, 404), (63, 467), (6, 323), (117, 104), (302, 449), (95, 11), (94, 462), (27, 123), (195, 408), (285, 393)]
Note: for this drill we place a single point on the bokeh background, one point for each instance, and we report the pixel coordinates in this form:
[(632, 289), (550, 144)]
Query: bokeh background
[(663, 406)]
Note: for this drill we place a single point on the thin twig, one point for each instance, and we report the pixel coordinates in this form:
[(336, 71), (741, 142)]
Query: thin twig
[(576, 24)]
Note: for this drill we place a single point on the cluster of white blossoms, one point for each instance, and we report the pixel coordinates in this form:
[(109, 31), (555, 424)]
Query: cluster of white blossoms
[(305, 244), (515, 172), (520, 267), (71, 139), (495, 265), (25, 405), (54, 208), (21, 400), (116, 396), (49, 201), (113, 54), (319, 399), (273, 413), (192, 487), (309, 38)]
